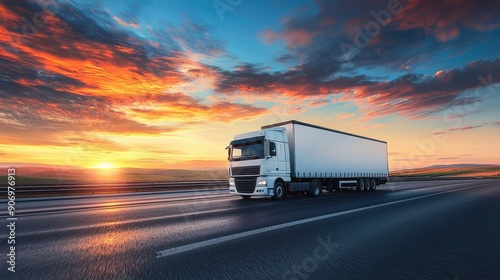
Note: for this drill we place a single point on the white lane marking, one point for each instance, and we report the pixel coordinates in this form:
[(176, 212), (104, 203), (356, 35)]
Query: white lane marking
[(197, 245)]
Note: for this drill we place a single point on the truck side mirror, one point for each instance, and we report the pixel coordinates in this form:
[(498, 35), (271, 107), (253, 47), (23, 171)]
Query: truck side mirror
[(272, 147)]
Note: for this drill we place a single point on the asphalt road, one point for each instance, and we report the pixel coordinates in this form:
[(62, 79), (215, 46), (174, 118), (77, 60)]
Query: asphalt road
[(410, 230)]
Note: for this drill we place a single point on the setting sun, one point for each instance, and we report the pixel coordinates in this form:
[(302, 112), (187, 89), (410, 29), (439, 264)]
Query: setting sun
[(105, 165)]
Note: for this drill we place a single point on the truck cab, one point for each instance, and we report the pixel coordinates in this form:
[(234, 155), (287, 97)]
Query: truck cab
[(256, 160)]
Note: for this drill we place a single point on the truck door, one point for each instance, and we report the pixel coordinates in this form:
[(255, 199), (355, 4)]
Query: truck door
[(282, 160)]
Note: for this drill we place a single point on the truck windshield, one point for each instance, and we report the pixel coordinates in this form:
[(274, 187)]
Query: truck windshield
[(247, 150)]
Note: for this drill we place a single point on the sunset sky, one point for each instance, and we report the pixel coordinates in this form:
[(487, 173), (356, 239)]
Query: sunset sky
[(167, 84)]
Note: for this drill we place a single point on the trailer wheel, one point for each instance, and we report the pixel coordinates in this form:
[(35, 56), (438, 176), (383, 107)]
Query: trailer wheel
[(279, 190), (316, 188), (368, 184), (373, 185), (246, 196), (361, 185)]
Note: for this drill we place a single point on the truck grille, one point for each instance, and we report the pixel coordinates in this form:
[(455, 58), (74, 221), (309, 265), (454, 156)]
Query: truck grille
[(246, 170), (245, 185)]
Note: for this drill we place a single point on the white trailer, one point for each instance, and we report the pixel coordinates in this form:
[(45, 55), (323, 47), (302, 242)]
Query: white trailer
[(295, 157)]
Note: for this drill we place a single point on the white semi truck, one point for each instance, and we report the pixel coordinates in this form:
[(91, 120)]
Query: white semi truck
[(296, 157)]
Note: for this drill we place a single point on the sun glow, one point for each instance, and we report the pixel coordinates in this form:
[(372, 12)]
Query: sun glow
[(105, 165), (107, 172)]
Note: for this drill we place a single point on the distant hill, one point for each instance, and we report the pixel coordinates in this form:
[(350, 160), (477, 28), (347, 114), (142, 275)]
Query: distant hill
[(35, 165), (462, 165), (452, 170)]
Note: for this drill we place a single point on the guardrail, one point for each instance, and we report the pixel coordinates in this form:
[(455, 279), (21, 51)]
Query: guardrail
[(106, 188)]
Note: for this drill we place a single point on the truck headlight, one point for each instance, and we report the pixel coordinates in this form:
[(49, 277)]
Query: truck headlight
[(262, 183), (231, 181)]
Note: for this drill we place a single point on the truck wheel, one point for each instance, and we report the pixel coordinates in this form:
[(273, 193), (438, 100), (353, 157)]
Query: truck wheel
[(246, 196), (361, 185), (373, 185), (316, 188), (368, 184), (279, 191)]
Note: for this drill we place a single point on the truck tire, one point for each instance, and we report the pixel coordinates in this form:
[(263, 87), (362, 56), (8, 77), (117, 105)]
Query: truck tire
[(279, 190), (361, 185), (373, 185), (316, 188), (246, 196), (368, 184)]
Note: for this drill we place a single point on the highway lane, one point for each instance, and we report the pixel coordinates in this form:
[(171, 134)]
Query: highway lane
[(409, 230), (57, 204)]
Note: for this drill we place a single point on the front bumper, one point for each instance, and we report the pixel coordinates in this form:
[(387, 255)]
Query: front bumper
[(253, 186)]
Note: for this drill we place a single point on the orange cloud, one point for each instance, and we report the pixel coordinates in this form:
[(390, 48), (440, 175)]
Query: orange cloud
[(82, 79), (345, 115), (319, 103), (125, 23), (293, 38), (102, 69), (447, 18)]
